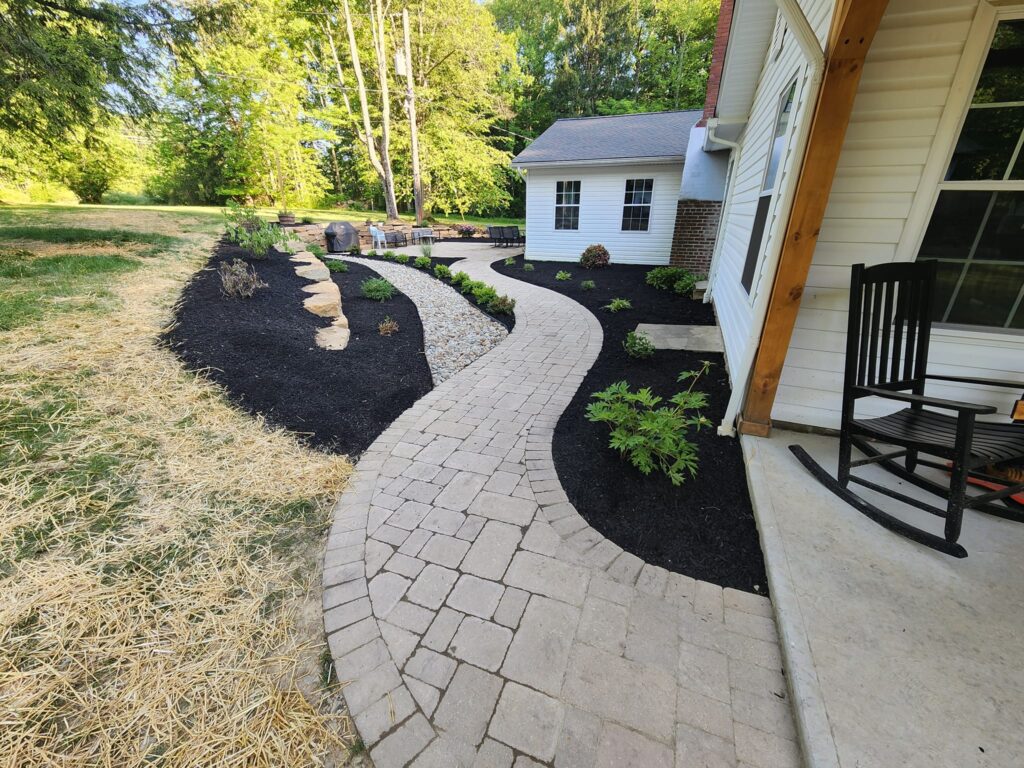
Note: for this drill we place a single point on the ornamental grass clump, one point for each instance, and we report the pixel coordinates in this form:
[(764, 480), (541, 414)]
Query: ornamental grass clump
[(427, 249), (337, 265), (527, 267), (618, 305), (638, 345), (316, 250), (388, 255), (587, 285), (510, 261), (238, 280), (377, 289), (649, 435), (595, 256), (562, 275)]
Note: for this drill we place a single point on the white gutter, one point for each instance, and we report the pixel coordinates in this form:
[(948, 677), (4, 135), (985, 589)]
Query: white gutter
[(713, 124), (815, 57)]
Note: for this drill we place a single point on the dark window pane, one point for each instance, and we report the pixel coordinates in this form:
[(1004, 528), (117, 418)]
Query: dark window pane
[(636, 218), (1002, 78), (986, 144), (987, 294), (954, 224), (764, 203)]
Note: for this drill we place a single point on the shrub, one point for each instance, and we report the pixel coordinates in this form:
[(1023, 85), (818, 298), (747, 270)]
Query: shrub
[(242, 217), (595, 256), (442, 271), (665, 278), (260, 238), (588, 285), (402, 258), (387, 326), (617, 305), (239, 280), (638, 345), (685, 286), (527, 267), (355, 250), (377, 289), (510, 261), (389, 255), (648, 436), (484, 294), (317, 250), (459, 278), (427, 249), (336, 265), (465, 230), (502, 305), (562, 275), (371, 253), (307, 219), (422, 262)]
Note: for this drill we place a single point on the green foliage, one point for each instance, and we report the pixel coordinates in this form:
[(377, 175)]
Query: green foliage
[(587, 285), (594, 256), (427, 250), (459, 278), (402, 258), (388, 255), (260, 239), (317, 250), (371, 253), (336, 265), (649, 435), (638, 345), (562, 275), (377, 289), (484, 294), (510, 261), (527, 267), (238, 280), (442, 271), (665, 278), (422, 262), (618, 305), (502, 305), (685, 286)]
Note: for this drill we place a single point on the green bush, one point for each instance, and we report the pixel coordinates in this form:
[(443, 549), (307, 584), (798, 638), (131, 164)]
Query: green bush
[(562, 275), (316, 250), (588, 285), (638, 345), (652, 437), (402, 258), (527, 267), (422, 262), (356, 250), (665, 278), (595, 256), (337, 265), (510, 261), (459, 278), (685, 286), (484, 294), (617, 305), (371, 253), (442, 271), (260, 238), (389, 255), (307, 220), (377, 289), (502, 305)]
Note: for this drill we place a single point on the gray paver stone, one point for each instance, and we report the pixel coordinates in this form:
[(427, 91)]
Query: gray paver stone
[(481, 643), (540, 649), (466, 706), (492, 550), (475, 596), (528, 721)]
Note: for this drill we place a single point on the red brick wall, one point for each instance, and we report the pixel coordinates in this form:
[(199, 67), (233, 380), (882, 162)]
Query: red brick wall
[(693, 241), (717, 60)]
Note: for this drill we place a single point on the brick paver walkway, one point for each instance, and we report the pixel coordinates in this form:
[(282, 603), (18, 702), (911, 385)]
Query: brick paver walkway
[(481, 622)]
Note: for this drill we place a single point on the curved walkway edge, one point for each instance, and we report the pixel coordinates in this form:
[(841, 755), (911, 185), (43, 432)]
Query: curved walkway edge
[(478, 621)]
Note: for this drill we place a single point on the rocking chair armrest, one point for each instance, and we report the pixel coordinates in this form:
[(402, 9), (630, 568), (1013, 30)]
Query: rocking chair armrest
[(935, 402), (976, 380)]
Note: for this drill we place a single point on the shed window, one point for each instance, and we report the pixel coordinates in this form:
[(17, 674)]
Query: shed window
[(567, 205), (636, 211), (977, 228)]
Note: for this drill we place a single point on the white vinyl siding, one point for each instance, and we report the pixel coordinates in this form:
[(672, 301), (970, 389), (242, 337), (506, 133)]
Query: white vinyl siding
[(602, 192), (904, 92)]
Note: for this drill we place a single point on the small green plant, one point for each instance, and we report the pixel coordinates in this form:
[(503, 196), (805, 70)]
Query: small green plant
[(307, 219), (685, 286), (562, 275), (389, 255), (371, 253), (238, 280), (665, 278), (510, 261), (595, 256), (355, 250), (377, 289), (442, 272), (459, 278), (316, 250), (617, 305), (260, 238), (638, 345), (427, 249), (502, 305), (337, 265), (484, 294), (422, 262), (402, 258), (587, 285), (387, 326), (650, 435), (527, 267)]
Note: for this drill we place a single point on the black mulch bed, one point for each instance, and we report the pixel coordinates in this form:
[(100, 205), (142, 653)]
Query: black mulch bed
[(509, 321), (704, 528), (262, 351)]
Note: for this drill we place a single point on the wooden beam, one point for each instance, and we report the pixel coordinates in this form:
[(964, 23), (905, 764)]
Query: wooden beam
[(848, 47)]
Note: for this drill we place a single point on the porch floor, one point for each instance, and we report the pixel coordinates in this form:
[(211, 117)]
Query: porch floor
[(898, 655)]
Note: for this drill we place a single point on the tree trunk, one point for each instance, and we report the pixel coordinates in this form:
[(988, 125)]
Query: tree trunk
[(379, 48), (410, 105)]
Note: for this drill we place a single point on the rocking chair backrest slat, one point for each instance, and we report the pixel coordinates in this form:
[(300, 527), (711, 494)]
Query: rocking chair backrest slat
[(889, 325)]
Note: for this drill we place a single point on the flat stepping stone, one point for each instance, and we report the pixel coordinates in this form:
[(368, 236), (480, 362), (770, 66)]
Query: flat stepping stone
[(326, 299), (334, 337), (694, 338)]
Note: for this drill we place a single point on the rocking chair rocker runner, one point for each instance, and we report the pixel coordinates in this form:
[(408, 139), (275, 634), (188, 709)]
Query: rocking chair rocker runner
[(887, 357)]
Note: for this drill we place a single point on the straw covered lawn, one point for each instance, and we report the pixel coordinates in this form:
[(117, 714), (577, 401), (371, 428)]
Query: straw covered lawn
[(159, 602)]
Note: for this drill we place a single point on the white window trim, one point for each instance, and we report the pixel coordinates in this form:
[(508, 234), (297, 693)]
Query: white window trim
[(555, 206), (650, 214), (972, 61)]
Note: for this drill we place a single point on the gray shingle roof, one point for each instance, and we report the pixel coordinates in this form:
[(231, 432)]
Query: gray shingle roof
[(614, 137)]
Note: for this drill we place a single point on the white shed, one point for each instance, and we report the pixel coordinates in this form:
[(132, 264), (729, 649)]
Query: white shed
[(611, 180)]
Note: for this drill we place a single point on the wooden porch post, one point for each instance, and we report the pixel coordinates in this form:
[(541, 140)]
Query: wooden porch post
[(853, 29)]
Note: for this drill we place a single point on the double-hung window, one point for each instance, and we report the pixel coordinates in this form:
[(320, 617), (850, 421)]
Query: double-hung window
[(567, 205), (977, 227), (636, 211)]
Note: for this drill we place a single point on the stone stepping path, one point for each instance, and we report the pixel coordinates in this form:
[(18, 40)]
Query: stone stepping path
[(324, 300), (478, 621), (455, 332)]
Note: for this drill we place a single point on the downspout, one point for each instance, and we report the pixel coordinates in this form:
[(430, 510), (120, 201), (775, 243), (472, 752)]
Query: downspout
[(814, 56)]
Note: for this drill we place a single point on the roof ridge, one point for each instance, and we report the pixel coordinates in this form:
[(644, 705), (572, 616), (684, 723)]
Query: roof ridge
[(631, 114)]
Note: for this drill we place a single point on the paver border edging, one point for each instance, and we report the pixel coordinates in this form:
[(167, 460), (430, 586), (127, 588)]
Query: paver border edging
[(814, 729)]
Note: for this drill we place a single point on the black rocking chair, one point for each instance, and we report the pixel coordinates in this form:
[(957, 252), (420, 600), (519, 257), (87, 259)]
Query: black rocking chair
[(887, 357)]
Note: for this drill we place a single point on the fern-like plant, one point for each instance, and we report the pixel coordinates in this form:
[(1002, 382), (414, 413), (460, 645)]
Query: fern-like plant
[(562, 275), (617, 305)]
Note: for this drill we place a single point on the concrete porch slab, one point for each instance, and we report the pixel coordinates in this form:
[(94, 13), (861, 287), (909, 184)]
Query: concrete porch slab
[(896, 655), (696, 338)]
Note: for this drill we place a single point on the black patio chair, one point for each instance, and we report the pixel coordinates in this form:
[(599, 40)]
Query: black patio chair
[(496, 236), (888, 334), (513, 236), (396, 238)]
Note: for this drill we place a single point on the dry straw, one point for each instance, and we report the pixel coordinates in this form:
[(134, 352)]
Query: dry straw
[(158, 553)]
